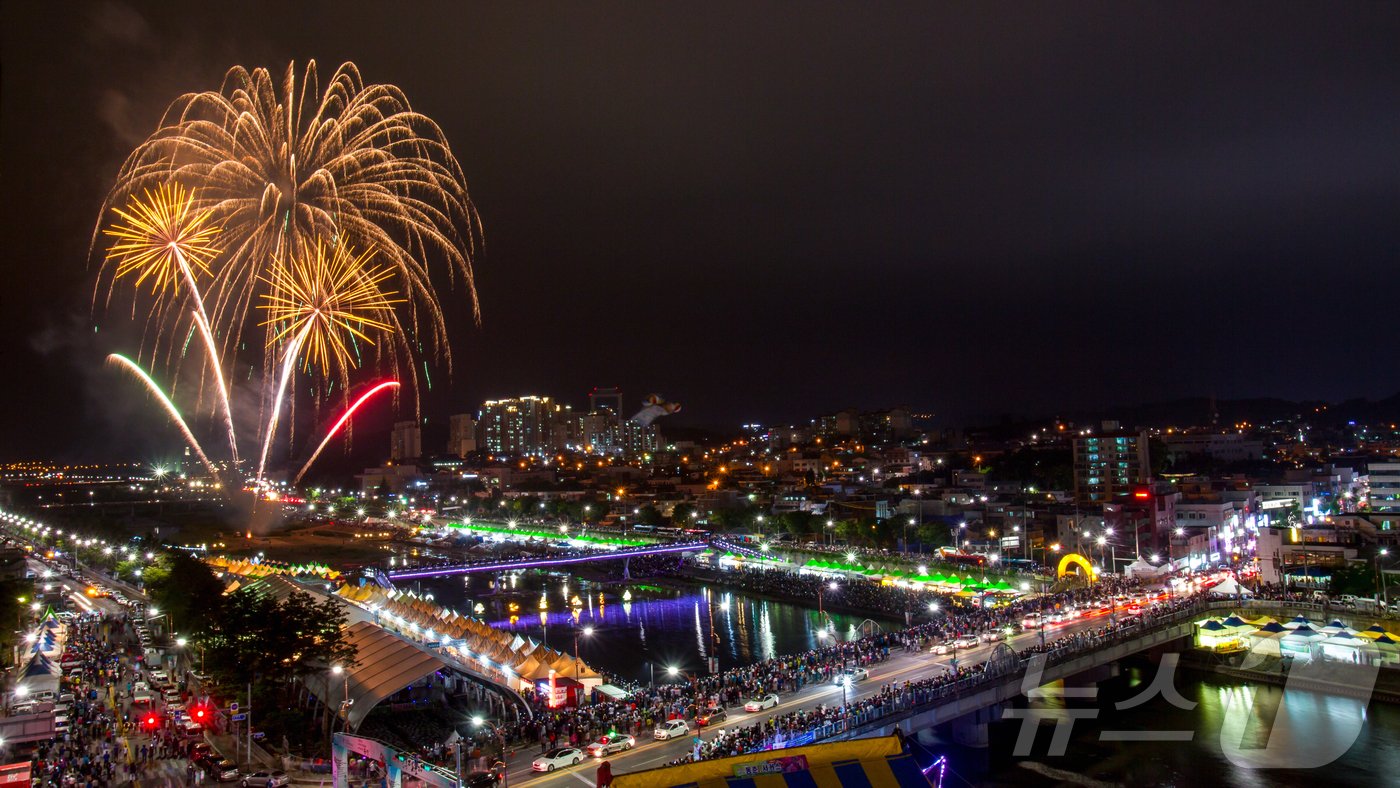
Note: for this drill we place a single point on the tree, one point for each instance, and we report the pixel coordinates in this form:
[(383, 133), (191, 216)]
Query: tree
[(648, 515), (186, 588), (681, 515)]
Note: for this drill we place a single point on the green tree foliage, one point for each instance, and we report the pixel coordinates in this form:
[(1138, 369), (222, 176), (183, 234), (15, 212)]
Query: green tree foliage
[(254, 636), (16, 595), (185, 587)]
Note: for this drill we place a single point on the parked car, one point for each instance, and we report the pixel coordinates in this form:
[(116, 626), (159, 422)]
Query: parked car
[(670, 729), (275, 779), (607, 745), (759, 704), (222, 770), (557, 757)]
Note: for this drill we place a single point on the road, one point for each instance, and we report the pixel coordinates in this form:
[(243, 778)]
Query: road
[(901, 666)]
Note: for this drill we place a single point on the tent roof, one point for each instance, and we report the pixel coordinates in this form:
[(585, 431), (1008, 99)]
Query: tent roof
[(384, 664), (1272, 626)]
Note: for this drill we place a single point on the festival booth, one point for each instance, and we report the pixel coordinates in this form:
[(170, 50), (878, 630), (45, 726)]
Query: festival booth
[(1335, 626), (1265, 640), (1299, 643), (1215, 636), (1230, 588), (1346, 647), (1296, 622)]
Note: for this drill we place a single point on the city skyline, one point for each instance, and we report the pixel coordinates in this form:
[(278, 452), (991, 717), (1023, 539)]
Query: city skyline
[(924, 225)]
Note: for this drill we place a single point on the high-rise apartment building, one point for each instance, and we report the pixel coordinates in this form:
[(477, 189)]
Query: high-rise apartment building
[(524, 425), (1110, 466), (406, 441), (461, 434)]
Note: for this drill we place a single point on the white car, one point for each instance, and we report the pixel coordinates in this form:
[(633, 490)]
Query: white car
[(759, 704), (670, 729), (852, 675), (607, 745), (557, 758), (966, 642)]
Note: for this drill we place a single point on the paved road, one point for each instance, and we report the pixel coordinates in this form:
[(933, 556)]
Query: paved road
[(901, 666)]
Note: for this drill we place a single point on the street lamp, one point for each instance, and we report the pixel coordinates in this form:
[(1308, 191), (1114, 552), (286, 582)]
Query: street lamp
[(479, 721), (338, 670)]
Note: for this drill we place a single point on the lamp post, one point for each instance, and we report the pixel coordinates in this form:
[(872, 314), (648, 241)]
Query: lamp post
[(338, 670), (1380, 585), (578, 657), (478, 722)]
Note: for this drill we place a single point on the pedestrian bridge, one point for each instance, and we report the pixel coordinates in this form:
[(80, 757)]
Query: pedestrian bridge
[(543, 562)]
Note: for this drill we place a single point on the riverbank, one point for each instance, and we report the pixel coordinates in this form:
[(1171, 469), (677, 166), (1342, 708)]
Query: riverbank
[(697, 577), (1329, 678)]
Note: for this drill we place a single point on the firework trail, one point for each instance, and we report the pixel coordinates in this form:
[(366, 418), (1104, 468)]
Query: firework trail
[(221, 386), (289, 362), (131, 366), (340, 423), (163, 238)]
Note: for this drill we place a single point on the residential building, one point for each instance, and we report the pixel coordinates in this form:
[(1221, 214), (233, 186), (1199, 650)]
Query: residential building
[(1109, 467), (406, 441), (461, 434)]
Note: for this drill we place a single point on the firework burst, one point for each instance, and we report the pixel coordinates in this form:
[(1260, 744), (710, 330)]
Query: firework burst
[(319, 303), (163, 237), (332, 299), (282, 164), (294, 172)]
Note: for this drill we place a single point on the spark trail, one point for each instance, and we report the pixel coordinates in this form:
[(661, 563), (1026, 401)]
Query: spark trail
[(335, 428), (119, 360)]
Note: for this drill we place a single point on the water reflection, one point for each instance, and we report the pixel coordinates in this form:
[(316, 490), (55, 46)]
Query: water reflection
[(661, 627)]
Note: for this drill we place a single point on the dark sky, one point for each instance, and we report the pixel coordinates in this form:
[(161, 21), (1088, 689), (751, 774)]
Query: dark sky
[(766, 211)]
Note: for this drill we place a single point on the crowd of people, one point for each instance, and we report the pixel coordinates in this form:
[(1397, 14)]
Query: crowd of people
[(102, 744)]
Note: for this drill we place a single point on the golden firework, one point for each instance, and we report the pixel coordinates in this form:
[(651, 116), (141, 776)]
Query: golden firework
[(163, 237), (283, 164), (324, 300)]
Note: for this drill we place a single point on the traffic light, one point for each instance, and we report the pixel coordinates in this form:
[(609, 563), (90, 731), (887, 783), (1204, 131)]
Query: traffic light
[(151, 721), (199, 714)]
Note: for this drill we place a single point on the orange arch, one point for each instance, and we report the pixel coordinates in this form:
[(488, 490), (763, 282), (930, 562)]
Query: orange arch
[(1075, 559)]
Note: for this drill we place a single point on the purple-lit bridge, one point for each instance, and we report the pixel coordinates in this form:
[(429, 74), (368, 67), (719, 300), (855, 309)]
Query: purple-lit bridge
[(443, 570)]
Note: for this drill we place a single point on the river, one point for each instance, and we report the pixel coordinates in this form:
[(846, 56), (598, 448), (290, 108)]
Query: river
[(666, 623)]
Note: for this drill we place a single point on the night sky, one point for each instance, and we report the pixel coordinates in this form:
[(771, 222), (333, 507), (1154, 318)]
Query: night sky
[(770, 212)]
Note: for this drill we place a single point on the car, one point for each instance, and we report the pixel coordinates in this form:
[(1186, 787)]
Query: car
[(222, 770), (966, 642), (171, 697), (713, 717), (851, 675), (199, 750), (60, 724), (275, 779), (557, 757), (995, 636), (482, 780), (607, 745), (142, 697), (943, 648), (670, 729), (759, 704)]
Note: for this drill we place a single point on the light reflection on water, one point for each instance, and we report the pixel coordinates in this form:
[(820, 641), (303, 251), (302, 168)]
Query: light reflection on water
[(1316, 721), (679, 626)]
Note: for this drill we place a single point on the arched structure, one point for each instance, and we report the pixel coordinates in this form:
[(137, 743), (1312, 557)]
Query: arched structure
[(1075, 559)]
